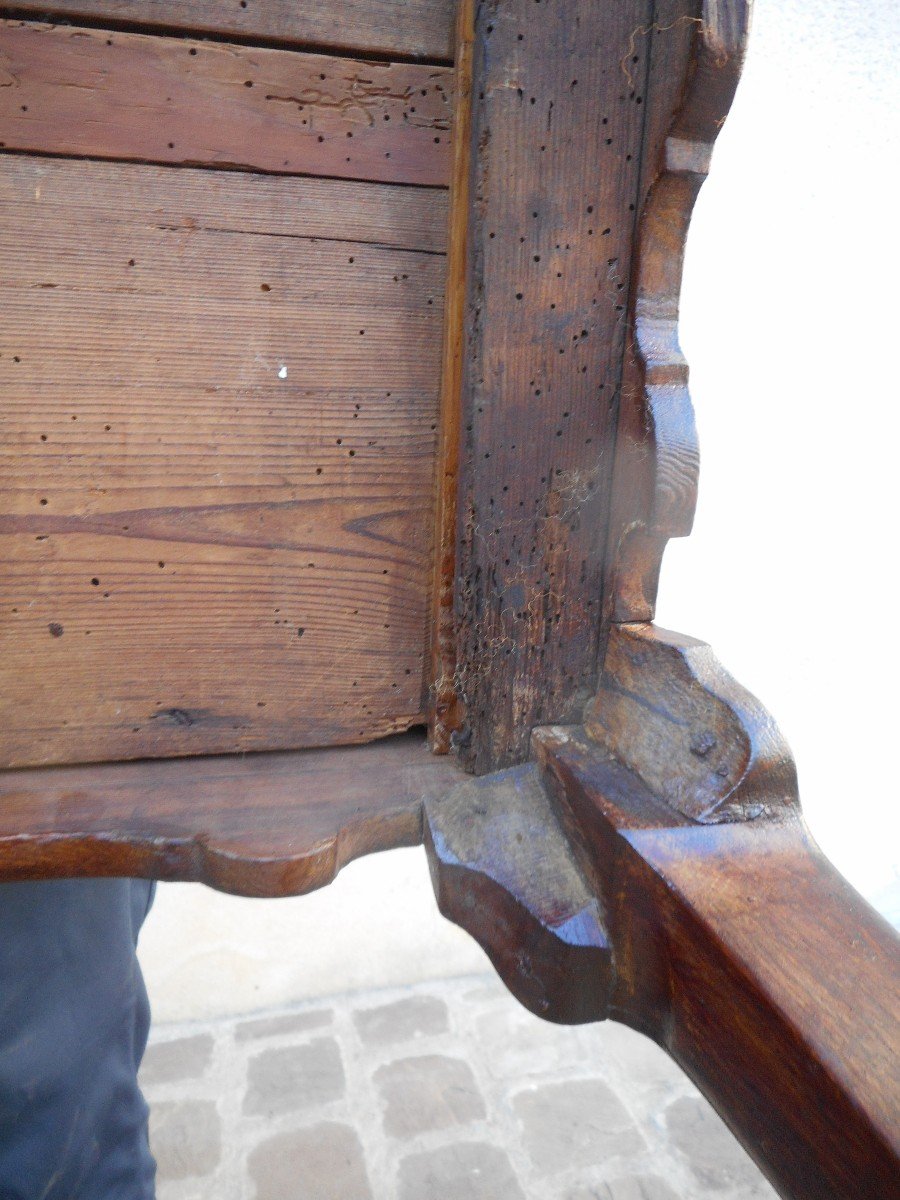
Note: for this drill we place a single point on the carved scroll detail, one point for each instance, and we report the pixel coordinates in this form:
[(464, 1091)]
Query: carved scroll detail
[(657, 456), (669, 711)]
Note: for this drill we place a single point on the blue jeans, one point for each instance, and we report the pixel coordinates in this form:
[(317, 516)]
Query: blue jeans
[(74, 1018)]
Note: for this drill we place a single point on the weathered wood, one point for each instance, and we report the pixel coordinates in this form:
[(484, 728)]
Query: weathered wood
[(416, 28), (255, 825), (725, 933), (217, 460), (546, 350), (503, 870), (657, 455), (557, 134), (106, 94), (668, 711), (445, 710), (96, 196)]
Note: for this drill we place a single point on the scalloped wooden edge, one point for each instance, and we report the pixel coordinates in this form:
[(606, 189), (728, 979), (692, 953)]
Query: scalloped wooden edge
[(659, 446), (312, 812)]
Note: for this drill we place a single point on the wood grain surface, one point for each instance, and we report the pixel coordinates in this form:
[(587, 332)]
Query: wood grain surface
[(104, 94), (721, 930), (557, 133), (741, 950), (416, 28), (217, 456), (255, 825), (445, 711)]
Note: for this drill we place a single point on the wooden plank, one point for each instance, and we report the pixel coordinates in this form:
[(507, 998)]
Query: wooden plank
[(255, 825), (504, 870), (557, 132), (157, 99), (415, 28), (102, 196), (216, 463)]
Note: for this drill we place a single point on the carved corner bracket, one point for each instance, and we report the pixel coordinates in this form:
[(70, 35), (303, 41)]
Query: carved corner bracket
[(652, 865), (670, 741)]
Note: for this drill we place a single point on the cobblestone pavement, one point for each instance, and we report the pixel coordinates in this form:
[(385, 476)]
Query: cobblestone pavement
[(444, 1091)]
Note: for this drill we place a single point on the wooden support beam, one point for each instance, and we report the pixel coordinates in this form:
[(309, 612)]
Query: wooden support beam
[(255, 825), (555, 165), (745, 955), (590, 136), (726, 935)]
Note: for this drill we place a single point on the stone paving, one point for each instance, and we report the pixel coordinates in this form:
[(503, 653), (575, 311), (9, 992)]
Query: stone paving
[(445, 1091)]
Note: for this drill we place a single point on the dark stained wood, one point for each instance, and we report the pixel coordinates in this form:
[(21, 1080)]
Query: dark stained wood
[(445, 709), (557, 128), (416, 28), (726, 935), (740, 949), (558, 383), (255, 825), (657, 455), (504, 871), (107, 94), (198, 554)]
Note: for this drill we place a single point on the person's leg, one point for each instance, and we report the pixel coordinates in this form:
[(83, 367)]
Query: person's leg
[(74, 1019)]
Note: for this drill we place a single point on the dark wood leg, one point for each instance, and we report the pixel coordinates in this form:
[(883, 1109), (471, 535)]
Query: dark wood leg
[(653, 866)]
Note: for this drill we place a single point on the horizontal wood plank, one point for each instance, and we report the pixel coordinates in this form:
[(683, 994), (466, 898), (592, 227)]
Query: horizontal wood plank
[(74, 91), (255, 825), (216, 463), (103, 196), (415, 28)]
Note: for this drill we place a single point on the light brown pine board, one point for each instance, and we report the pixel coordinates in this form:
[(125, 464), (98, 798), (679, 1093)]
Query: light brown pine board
[(74, 91), (417, 28), (104, 195), (148, 441)]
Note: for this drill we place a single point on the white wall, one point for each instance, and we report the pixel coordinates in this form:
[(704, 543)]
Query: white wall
[(788, 322)]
